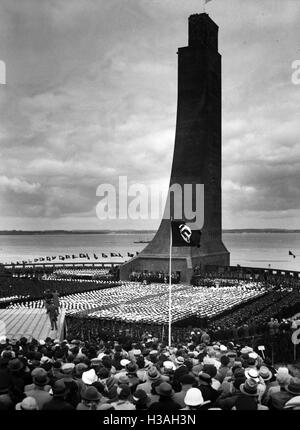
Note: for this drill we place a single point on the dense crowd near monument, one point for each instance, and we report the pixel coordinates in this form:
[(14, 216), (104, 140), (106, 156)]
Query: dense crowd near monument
[(142, 374)]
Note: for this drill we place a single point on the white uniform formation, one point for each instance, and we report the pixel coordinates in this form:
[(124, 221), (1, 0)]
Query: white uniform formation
[(134, 302)]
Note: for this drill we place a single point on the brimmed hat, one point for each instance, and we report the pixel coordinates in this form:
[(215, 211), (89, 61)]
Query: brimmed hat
[(15, 365), (123, 379), (294, 386), (153, 374), (45, 359), (193, 397), (253, 355), (131, 367), (265, 373), (137, 352), (91, 394), (165, 389), (124, 362), (140, 396), (80, 368), (179, 360), (67, 368), (283, 376), (89, 377), (27, 404), (169, 365), (249, 387), (205, 377), (40, 377), (59, 389), (252, 374), (223, 348)]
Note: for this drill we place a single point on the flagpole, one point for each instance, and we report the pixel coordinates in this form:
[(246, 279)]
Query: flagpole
[(170, 286)]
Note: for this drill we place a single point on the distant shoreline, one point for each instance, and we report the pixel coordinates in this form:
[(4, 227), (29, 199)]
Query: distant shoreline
[(62, 232)]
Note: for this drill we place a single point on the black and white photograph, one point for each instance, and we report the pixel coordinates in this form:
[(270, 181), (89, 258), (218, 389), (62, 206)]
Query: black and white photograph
[(149, 208)]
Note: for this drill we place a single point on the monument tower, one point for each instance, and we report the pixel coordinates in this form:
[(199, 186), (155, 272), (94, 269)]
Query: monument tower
[(197, 155)]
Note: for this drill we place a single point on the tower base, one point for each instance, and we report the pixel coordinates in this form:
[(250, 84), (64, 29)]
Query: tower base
[(184, 265)]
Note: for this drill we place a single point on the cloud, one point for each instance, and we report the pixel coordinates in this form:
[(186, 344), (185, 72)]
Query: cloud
[(91, 95), (18, 186)]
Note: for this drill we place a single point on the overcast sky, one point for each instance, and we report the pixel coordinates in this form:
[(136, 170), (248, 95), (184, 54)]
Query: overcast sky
[(91, 95)]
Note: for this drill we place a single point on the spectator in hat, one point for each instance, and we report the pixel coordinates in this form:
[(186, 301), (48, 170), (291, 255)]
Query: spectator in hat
[(152, 376), (181, 370), (80, 368), (282, 379), (58, 402), (205, 386), (110, 391), (186, 382), (279, 399), (248, 398), (193, 400), (73, 396), (90, 399), (132, 376), (56, 372), (27, 404), (89, 377), (123, 370), (124, 402), (227, 400), (223, 369), (141, 370), (141, 400), (167, 371), (16, 370), (211, 370), (37, 391), (165, 402)]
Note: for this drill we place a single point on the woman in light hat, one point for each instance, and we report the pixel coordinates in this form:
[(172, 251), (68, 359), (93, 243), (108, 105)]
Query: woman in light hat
[(194, 400)]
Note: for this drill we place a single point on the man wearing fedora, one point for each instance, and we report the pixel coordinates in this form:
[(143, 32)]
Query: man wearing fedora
[(205, 386), (279, 399), (40, 380), (248, 399), (165, 402), (90, 399), (58, 402), (153, 375)]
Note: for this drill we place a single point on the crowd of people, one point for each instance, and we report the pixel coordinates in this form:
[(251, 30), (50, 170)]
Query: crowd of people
[(149, 277), (135, 302), (126, 374), (33, 288)]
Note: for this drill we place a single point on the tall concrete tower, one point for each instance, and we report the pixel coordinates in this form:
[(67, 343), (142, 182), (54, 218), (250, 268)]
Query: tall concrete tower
[(197, 154)]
